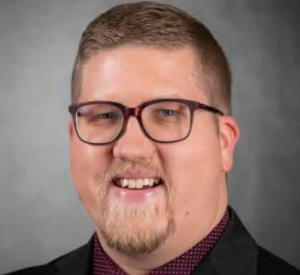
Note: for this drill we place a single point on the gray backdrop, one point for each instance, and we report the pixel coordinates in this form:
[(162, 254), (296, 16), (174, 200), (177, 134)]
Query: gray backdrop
[(40, 215)]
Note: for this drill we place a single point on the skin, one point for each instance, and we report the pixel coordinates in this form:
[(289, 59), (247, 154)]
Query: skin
[(196, 167)]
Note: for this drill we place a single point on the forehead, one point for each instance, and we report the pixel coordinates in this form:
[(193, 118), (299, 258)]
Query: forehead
[(142, 73)]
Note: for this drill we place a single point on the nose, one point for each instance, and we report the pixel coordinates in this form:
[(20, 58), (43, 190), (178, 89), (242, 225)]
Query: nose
[(133, 145)]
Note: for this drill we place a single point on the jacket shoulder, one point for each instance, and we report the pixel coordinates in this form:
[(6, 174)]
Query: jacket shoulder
[(77, 260), (269, 264), (36, 270)]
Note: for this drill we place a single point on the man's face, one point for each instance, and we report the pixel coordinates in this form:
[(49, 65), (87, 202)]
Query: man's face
[(192, 195)]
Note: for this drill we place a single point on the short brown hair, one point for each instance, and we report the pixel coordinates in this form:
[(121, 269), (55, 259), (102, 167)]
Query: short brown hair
[(157, 25)]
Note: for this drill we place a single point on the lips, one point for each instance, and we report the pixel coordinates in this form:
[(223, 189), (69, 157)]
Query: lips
[(137, 183)]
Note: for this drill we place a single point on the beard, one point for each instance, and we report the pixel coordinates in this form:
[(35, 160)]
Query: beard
[(130, 228)]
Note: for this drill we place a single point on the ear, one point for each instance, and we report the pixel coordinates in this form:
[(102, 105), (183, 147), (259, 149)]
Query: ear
[(229, 133), (71, 128)]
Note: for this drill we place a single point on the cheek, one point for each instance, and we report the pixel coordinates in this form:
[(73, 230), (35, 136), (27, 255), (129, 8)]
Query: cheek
[(192, 159), (195, 169), (88, 163)]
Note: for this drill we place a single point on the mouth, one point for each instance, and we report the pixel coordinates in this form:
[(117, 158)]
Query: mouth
[(137, 183)]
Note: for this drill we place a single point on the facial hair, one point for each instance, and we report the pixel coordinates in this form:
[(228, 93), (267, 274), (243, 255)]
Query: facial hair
[(134, 229)]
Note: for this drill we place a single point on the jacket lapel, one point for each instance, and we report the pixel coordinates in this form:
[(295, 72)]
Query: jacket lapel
[(206, 268), (234, 254), (78, 262)]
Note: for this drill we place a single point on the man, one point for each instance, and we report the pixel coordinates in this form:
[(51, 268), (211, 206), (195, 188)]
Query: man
[(152, 140)]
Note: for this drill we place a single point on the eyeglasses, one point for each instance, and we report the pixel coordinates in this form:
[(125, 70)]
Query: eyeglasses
[(161, 120)]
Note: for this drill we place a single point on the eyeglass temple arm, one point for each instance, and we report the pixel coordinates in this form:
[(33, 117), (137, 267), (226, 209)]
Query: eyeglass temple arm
[(210, 109)]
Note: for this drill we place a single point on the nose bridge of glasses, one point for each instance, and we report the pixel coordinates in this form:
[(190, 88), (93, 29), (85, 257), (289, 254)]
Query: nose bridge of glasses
[(135, 111)]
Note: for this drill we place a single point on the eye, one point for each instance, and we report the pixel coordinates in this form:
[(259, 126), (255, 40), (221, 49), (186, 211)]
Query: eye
[(105, 116), (109, 115), (167, 112)]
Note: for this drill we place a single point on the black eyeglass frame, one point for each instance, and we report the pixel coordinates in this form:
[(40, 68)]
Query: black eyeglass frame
[(137, 112)]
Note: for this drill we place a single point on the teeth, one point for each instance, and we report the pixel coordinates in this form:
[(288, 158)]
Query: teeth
[(131, 184), (124, 182), (151, 182), (138, 183)]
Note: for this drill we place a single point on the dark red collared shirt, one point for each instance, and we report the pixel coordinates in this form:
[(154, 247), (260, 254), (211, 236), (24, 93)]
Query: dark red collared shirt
[(183, 265)]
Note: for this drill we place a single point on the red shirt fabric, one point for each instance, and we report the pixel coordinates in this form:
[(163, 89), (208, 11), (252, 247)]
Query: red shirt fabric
[(183, 265)]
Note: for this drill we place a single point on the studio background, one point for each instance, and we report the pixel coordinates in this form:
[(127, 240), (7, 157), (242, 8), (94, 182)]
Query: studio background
[(40, 214)]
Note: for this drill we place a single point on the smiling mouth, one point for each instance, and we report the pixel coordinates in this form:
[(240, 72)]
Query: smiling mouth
[(137, 184)]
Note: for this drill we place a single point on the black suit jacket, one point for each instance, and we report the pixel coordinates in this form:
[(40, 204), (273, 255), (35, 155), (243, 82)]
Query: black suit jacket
[(236, 253)]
